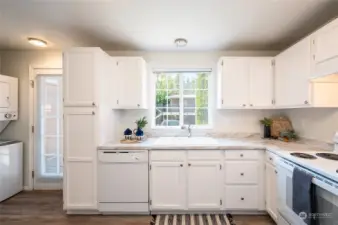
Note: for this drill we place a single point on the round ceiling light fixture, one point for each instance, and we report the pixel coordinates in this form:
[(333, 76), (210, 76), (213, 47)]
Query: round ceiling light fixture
[(181, 42), (37, 42)]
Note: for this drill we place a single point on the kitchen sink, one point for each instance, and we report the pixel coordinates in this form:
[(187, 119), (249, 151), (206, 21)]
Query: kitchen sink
[(186, 141)]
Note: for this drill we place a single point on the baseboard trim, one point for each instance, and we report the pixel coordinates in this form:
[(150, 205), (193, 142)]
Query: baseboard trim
[(27, 188)]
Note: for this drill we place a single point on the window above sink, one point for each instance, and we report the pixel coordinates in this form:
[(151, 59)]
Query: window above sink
[(182, 98)]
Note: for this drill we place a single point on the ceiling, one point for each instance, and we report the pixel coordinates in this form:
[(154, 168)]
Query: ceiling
[(152, 25)]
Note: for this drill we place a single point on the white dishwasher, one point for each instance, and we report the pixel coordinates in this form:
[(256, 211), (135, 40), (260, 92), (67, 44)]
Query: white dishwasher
[(123, 182)]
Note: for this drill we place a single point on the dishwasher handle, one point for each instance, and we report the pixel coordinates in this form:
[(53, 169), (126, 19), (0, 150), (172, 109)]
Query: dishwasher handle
[(123, 156)]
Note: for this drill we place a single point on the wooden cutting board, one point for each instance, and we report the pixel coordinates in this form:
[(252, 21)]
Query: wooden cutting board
[(280, 124)]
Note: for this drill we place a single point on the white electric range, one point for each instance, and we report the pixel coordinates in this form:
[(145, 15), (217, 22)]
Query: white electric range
[(323, 166)]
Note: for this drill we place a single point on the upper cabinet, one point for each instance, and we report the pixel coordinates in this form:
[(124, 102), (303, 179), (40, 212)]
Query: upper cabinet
[(82, 69), (245, 82), (325, 50), (8, 96), (130, 83), (292, 73)]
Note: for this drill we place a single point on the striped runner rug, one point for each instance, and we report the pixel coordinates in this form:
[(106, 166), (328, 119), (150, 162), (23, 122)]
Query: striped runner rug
[(200, 219)]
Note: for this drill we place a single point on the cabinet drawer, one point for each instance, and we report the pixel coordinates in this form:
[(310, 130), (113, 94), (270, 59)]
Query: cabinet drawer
[(168, 155), (204, 154), (242, 154), (238, 172), (241, 197)]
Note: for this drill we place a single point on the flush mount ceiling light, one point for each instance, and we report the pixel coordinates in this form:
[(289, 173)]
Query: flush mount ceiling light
[(181, 42), (37, 42)]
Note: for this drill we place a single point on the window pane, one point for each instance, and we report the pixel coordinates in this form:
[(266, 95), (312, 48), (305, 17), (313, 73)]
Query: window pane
[(173, 98), (50, 165), (161, 81), (173, 81), (160, 116), (195, 80), (167, 116), (161, 98), (196, 116), (201, 99)]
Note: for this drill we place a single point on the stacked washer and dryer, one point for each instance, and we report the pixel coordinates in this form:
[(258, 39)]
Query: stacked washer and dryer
[(11, 156)]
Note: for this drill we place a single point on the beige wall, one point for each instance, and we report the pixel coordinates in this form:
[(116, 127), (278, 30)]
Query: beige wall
[(16, 64)]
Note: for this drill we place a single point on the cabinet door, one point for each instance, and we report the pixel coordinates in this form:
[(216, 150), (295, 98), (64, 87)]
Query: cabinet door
[(235, 82), (261, 82), (79, 73), (293, 69), (4, 94), (167, 186), (326, 44), (8, 94), (271, 190), (204, 184), (80, 161), (131, 81)]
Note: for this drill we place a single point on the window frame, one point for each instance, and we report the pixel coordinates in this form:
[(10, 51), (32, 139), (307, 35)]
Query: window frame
[(181, 98)]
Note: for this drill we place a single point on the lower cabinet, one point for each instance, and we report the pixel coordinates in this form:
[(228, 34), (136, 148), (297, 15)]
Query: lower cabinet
[(271, 190), (204, 182), (167, 186), (240, 197)]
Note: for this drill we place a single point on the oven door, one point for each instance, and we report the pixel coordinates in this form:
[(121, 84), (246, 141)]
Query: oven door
[(285, 194), (326, 197)]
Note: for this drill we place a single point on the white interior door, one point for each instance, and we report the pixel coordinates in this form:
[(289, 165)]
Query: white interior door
[(48, 132)]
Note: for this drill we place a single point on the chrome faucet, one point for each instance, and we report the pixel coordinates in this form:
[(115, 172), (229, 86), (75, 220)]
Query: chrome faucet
[(189, 129)]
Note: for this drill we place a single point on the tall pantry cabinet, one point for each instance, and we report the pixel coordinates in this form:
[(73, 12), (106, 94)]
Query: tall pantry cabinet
[(88, 122)]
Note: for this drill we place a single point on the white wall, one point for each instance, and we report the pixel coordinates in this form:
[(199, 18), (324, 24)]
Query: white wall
[(16, 64), (242, 121), (319, 124)]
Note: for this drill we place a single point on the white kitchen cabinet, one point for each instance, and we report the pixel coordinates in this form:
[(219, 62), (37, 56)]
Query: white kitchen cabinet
[(246, 82), (261, 82), (235, 82), (167, 186), (8, 94), (240, 197), (292, 73), (83, 69), (325, 49), (204, 182), (271, 187), (80, 130), (130, 83)]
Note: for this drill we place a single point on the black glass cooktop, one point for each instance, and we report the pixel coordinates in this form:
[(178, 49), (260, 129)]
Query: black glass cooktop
[(330, 156), (303, 155)]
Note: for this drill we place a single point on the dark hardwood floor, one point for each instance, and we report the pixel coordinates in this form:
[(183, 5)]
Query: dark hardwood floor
[(45, 208)]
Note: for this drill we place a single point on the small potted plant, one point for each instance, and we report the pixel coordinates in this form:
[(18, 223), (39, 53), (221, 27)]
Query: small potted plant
[(266, 122), (141, 123), (288, 135)]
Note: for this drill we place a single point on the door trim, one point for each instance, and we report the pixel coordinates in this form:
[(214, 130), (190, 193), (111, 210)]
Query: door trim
[(34, 71)]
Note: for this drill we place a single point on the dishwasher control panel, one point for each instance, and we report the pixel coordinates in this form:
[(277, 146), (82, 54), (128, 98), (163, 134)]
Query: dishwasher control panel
[(123, 156)]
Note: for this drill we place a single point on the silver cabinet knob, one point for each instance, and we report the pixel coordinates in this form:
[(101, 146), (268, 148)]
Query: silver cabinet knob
[(251, 105), (189, 164), (241, 155), (138, 105), (242, 174), (93, 103), (242, 199), (181, 165), (306, 102), (270, 158), (244, 105)]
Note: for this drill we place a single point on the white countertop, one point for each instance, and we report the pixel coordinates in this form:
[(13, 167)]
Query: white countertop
[(322, 166)]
